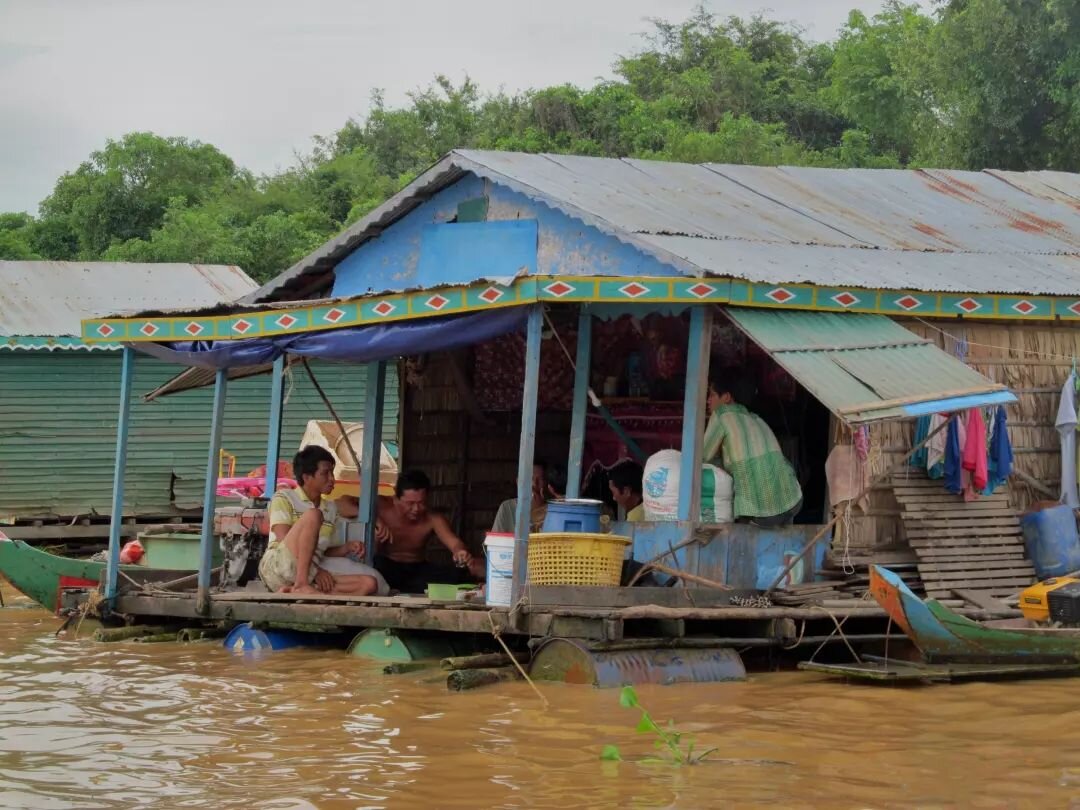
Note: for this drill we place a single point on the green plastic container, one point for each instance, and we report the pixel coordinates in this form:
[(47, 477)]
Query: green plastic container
[(447, 593), (175, 551)]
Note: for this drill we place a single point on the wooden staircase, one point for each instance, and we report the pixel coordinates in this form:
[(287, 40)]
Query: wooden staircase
[(962, 545)]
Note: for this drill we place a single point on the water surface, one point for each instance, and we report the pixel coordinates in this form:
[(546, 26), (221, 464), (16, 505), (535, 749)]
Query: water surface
[(88, 725)]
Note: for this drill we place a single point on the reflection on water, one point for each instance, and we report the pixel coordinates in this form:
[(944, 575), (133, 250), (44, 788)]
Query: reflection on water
[(110, 725)]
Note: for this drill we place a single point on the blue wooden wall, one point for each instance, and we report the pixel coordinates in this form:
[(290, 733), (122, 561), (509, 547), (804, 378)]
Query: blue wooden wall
[(412, 253)]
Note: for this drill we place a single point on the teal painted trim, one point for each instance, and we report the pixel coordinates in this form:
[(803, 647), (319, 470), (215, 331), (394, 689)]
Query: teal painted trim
[(32, 343), (371, 454), (697, 389), (582, 363), (213, 459), (273, 439), (112, 569), (526, 449)]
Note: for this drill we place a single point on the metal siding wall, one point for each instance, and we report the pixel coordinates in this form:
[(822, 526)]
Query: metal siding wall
[(58, 430)]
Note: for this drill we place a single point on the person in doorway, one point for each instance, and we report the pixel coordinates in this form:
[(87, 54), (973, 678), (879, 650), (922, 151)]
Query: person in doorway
[(407, 525), (624, 481), (767, 491), (542, 492), (303, 555)]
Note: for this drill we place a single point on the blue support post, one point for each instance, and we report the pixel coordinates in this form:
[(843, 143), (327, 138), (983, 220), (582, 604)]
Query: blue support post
[(273, 441), (116, 518), (213, 459), (697, 389), (527, 447), (371, 454), (583, 362)]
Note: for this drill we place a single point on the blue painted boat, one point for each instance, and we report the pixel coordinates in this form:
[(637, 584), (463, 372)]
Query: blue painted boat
[(943, 636)]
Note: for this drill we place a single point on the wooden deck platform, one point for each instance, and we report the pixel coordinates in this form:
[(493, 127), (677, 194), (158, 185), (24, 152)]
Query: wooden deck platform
[(627, 613)]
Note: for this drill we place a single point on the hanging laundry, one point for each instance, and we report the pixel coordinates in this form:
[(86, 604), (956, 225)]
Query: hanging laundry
[(861, 439), (1066, 426), (975, 451), (847, 477), (1001, 455), (935, 448), (922, 429), (954, 479)]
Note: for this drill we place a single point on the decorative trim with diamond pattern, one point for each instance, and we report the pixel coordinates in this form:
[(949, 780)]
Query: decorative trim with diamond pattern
[(643, 291)]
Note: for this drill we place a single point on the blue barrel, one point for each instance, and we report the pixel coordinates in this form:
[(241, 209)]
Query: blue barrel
[(573, 516), (244, 638), (1052, 541)]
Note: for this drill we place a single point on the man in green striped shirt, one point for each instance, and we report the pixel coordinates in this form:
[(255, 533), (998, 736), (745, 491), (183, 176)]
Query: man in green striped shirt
[(767, 492)]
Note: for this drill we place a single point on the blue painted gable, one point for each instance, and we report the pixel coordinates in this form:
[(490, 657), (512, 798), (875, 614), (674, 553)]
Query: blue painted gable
[(425, 248)]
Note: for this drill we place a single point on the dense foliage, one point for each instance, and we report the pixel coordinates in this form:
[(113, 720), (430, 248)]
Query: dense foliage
[(974, 84)]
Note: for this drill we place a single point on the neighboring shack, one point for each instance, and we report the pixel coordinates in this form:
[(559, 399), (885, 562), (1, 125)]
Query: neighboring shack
[(58, 400)]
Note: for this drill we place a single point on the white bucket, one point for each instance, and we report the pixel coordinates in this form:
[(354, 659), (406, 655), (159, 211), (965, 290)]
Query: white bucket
[(499, 549)]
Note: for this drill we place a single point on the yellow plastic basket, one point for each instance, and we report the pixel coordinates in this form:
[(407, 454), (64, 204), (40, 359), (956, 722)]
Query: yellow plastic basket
[(560, 558)]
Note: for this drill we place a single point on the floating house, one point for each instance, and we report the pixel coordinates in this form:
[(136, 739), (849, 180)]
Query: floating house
[(515, 291), (58, 414)]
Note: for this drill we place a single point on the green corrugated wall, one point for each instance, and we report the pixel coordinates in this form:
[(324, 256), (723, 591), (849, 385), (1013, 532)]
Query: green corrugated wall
[(58, 430)]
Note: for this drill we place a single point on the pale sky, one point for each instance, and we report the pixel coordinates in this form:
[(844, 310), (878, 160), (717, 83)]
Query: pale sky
[(259, 78)]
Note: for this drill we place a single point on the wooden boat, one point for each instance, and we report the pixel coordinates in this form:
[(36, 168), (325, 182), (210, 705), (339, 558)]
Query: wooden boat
[(943, 636), (44, 577), (955, 647)]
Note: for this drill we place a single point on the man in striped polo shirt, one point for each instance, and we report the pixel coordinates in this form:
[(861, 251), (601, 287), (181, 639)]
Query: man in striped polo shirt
[(767, 492)]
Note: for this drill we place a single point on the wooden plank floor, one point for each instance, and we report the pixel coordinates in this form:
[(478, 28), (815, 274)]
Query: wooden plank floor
[(962, 545)]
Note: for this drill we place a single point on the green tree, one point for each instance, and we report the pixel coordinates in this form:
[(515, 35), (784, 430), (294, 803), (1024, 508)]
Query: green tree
[(877, 77), (122, 192)]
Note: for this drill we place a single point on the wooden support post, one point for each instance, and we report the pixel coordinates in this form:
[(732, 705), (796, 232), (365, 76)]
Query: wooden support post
[(371, 454), (273, 441), (207, 538), (697, 390), (527, 448), (582, 363), (116, 518)]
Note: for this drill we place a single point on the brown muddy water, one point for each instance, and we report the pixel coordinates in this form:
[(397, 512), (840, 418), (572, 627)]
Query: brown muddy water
[(86, 725)]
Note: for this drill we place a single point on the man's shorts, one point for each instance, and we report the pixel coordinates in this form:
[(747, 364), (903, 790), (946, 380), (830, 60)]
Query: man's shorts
[(277, 568)]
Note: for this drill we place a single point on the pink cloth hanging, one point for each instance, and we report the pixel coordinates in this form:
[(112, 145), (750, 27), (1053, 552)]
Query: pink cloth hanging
[(974, 453)]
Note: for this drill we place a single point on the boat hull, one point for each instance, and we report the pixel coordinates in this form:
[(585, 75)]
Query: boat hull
[(44, 577), (943, 636)]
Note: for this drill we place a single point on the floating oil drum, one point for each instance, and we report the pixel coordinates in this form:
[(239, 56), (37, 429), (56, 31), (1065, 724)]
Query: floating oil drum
[(245, 638), (402, 646), (571, 661)]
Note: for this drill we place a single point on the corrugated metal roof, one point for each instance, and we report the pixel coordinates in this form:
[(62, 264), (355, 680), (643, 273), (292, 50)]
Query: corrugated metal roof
[(863, 368), (988, 232), (52, 298)]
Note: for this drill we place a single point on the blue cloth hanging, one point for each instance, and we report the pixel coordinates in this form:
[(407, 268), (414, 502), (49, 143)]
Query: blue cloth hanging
[(922, 430), (1000, 454), (954, 479)]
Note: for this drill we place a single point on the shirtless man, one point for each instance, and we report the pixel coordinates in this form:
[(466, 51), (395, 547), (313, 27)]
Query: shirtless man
[(403, 534), (302, 556)]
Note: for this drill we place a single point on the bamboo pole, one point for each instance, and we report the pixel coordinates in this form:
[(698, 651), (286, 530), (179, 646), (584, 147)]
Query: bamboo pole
[(879, 480)]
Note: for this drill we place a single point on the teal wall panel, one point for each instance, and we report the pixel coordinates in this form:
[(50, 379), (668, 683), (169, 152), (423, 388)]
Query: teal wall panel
[(58, 430)]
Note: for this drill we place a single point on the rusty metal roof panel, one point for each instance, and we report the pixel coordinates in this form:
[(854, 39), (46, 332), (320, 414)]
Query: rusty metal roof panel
[(643, 196), (1019, 273), (927, 230), (52, 298)]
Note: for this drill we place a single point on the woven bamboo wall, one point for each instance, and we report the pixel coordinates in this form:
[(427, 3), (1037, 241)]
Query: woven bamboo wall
[(472, 463), (1034, 361)]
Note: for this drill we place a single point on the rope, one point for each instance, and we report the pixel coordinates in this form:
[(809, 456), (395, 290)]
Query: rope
[(839, 629), (498, 637), (798, 641), (969, 343)]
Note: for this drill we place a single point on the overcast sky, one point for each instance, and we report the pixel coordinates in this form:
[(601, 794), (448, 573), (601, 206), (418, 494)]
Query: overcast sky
[(258, 78)]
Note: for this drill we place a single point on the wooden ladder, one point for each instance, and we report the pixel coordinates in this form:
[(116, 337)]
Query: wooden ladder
[(962, 545)]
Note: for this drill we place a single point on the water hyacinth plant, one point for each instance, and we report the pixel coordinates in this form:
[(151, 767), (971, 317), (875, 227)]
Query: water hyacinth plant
[(668, 740)]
